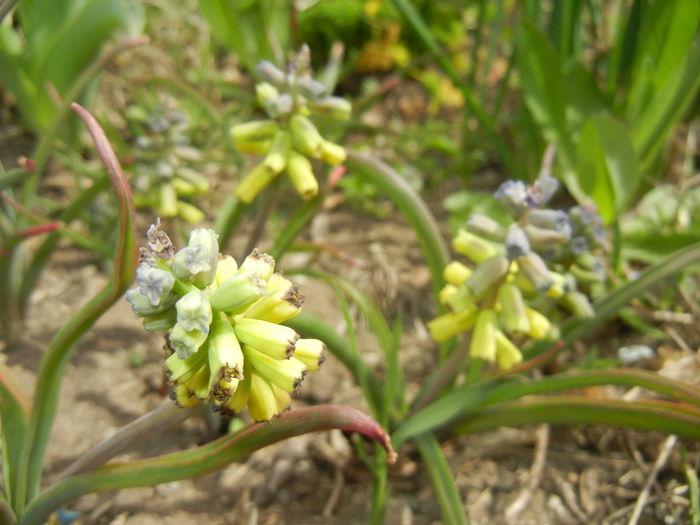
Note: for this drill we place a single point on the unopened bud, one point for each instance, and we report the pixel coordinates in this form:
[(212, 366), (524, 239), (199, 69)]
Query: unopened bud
[(302, 176), (154, 283), (287, 374), (483, 343), (161, 321), (281, 105), (516, 242), (305, 136), (476, 248), (544, 238), (332, 107), (189, 212), (507, 354), (167, 200), (333, 154), (262, 404), (539, 324), (225, 269), (456, 273), (486, 227), (536, 271), (450, 324), (311, 352), (513, 194), (578, 304), (276, 158), (488, 274), (275, 340), (208, 241), (265, 93), (254, 182), (186, 343), (311, 89), (194, 311), (141, 305), (253, 131), (237, 293), (258, 263), (513, 315), (269, 72), (543, 189)]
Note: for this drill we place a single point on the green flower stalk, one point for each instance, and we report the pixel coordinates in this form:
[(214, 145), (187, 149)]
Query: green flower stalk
[(289, 140), (541, 258), (222, 325), (167, 168)]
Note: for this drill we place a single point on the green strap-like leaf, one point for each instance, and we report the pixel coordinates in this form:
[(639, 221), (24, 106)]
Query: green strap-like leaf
[(56, 357), (650, 415), (443, 482), (206, 458), (14, 412), (464, 400), (411, 206)]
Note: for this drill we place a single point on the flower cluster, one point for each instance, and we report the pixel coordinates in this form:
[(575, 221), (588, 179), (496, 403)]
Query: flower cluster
[(288, 139), (222, 321), (543, 256), (166, 165)]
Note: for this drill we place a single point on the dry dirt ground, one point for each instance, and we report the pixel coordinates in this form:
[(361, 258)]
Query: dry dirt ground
[(584, 475)]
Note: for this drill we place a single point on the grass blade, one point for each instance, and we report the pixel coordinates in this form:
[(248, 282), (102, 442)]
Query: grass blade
[(14, 413), (442, 480)]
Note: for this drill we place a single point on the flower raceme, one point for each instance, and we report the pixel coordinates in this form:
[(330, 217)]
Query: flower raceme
[(222, 322), (518, 269), (289, 138)]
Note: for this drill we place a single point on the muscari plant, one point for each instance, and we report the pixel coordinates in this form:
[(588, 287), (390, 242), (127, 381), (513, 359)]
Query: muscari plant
[(289, 140), (166, 165), (228, 348), (539, 257), (222, 323)]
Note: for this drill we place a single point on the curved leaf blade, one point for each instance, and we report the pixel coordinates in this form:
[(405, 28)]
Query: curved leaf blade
[(206, 458)]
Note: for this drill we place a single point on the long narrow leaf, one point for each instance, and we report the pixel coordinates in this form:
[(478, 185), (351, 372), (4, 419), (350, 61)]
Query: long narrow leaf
[(206, 458), (463, 400), (443, 482), (14, 412), (411, 206), (57, 355), (656, 416)]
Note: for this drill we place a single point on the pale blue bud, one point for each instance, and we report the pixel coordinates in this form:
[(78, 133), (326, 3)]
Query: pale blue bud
[(207, 241), (543, 189), (513, 194), (270, 73), (194, 311), (190, 262), (516, 242), (154, 283)]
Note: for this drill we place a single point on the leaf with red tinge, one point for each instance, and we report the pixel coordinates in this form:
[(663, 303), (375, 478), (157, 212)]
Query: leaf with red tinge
[(206, 458)]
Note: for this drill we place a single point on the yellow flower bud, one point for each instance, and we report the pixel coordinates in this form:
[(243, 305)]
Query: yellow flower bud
[(507, 354), (456, 273), (483, 343), (301, 175)]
